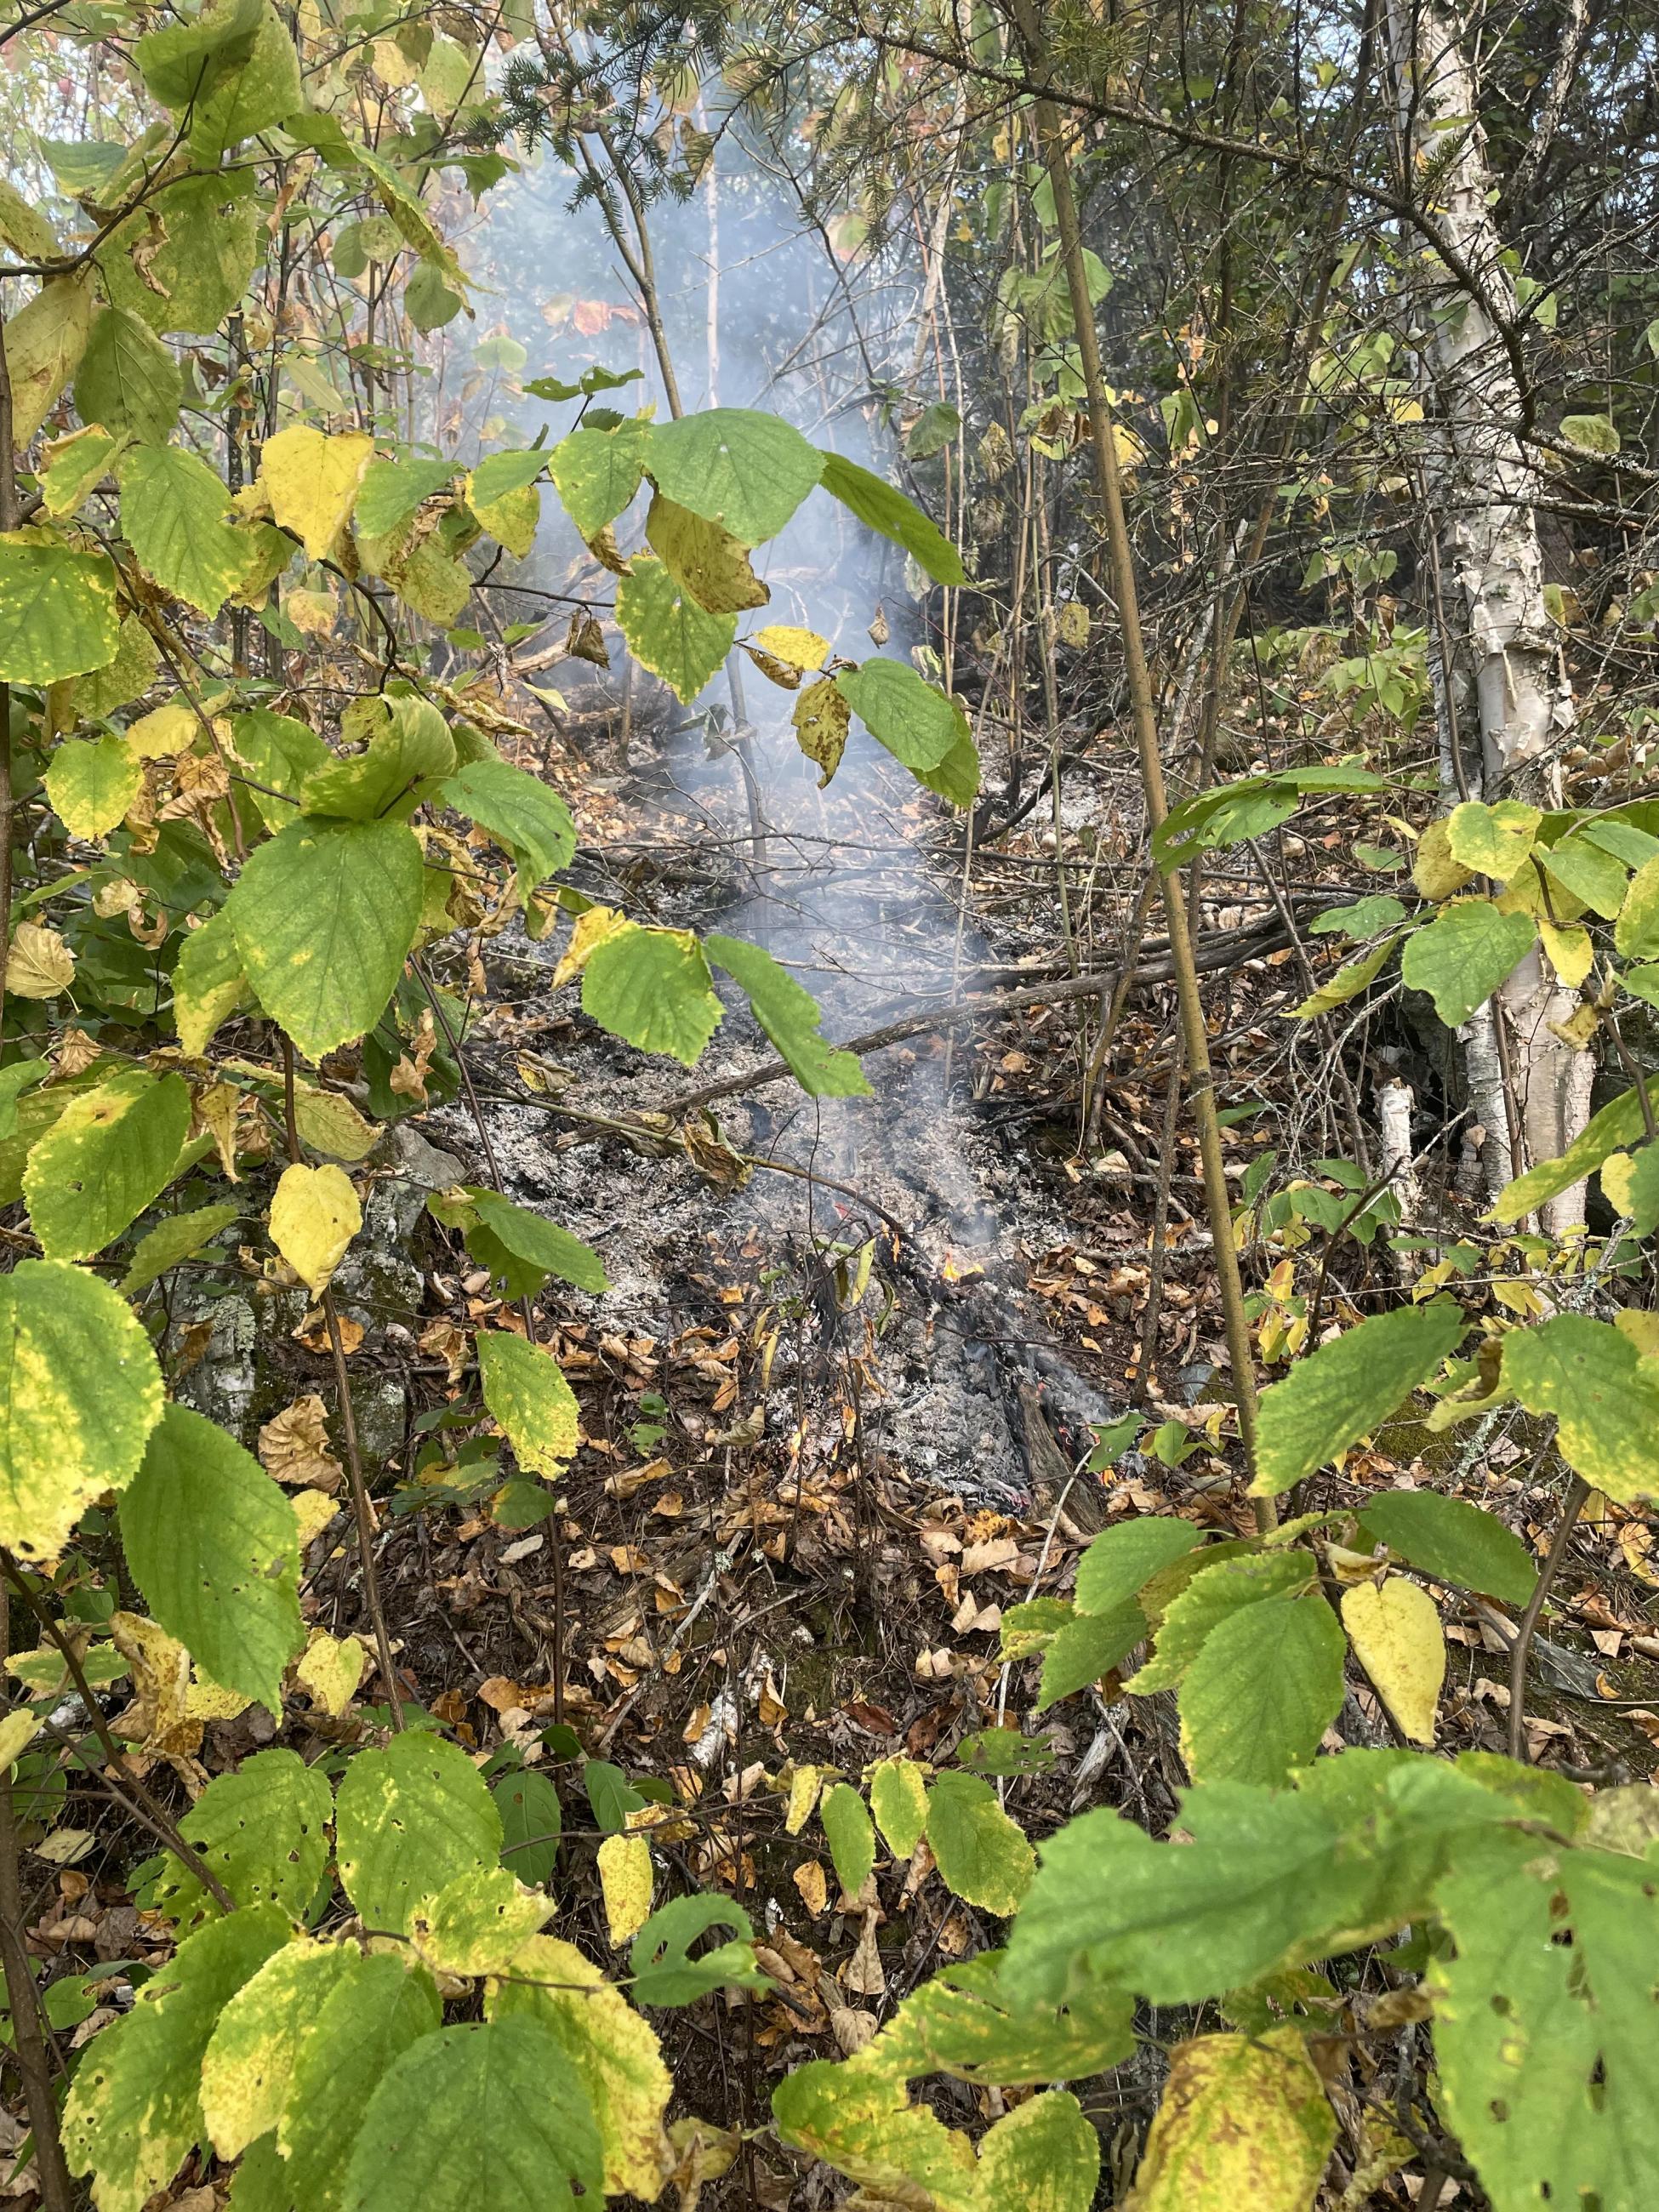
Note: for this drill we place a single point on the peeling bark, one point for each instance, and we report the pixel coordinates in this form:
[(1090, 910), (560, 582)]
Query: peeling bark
[(1507, 672)]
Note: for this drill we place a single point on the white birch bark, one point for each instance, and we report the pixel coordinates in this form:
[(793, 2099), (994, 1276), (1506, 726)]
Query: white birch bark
[(1508, 685)]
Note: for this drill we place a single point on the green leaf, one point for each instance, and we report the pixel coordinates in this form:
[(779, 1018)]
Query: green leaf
[(1212, 1595), (733, 465), (918, 723), (260, 2033), (652, 986), (615, 2053), (1121, 1559), (1454, 1541), (261, 90), (524, 1389), (1630, 1183), (898, 1799), (112, 1149), (520, 813), (409, 1820), (1591, 434), (1087, 1647), (541, 1248), (532, 1819), (91, 783), (1342, 1391), (1618, 1125), (197, 268), (1543, 2029), (982, 1855), (791, 1017), (325, 915), (1248, 807), (1494, 840), (963, 2023), (179, 1237), (851, 1837), (134, 2110), (498, 474), (597, 473), (261, 1831), (409, 751), (172, 510), (58, 613), (956, 779), (493, 2118), (427, 300), (280, 753), (212, 1542), (667, 632), (659, 1959), (1462, 955), (1595, 876), (391, 490), (1604, 1397), (1265, 1685), (1045, 2156), (208, 983), (182, 65), (81, 1392), (128, 381), (1243, 2122), (880, 508), (377, 2010), (476, 1924)]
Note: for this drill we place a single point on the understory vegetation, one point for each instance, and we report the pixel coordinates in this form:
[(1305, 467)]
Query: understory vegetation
[(829, 938)]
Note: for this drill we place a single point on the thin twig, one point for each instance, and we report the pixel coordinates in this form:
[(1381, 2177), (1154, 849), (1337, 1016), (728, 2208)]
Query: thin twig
[(1528, 1622)]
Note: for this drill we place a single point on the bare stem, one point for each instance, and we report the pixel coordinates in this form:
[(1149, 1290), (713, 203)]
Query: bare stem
[(1522, 1645)]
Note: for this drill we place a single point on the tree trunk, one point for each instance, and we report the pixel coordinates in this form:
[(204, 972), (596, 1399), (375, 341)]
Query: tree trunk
[(1505, 699)]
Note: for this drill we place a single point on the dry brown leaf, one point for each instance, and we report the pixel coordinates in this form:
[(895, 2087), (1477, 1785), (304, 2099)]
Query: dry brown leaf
[(294, 1446)]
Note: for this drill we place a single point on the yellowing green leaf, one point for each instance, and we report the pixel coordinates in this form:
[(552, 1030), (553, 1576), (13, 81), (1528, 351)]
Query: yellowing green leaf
[(898, 1799), (128, 380), (703, 559), (17, 1732), (1570, 952), (653, 987), (261, 1829), (91, 783), (58, 615), (667, 632), (1435, 870), (1492, 841), (981, 1854), (524, 1389), (208, 983), (1604, 1397), (376, 2011), (172, 511), (1043, 2157), (478, 1922), (614, 2052), (625, 1879), (1265, 1685), (598, 473), (312, 481), (1395, 1629), (111, 1151), (1243, 2123), (259, 2034), (409, 1820), (44, 341), (915, 720), (329, 1123), (519, 811), (313, 1217), (856, 2120), (1461, 957), (851, 1837), (134, 2110)]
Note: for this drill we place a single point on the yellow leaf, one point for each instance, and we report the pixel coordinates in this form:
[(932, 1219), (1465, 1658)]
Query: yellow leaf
[(17, 1732), (803, 1785), (163, 732), (625, 1879), (329, 1123), (311, 482), (1434, 870), (330, 1668), (1569, 951), (1072, 624), (39, 964), (1244, 2122), (1396, 1636), (313, 1511), (1641, 1328), (801, 648), (313, 1217), (703, 559)]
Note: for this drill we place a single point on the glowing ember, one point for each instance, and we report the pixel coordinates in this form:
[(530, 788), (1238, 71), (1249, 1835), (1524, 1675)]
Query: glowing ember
[(954, 1273)]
